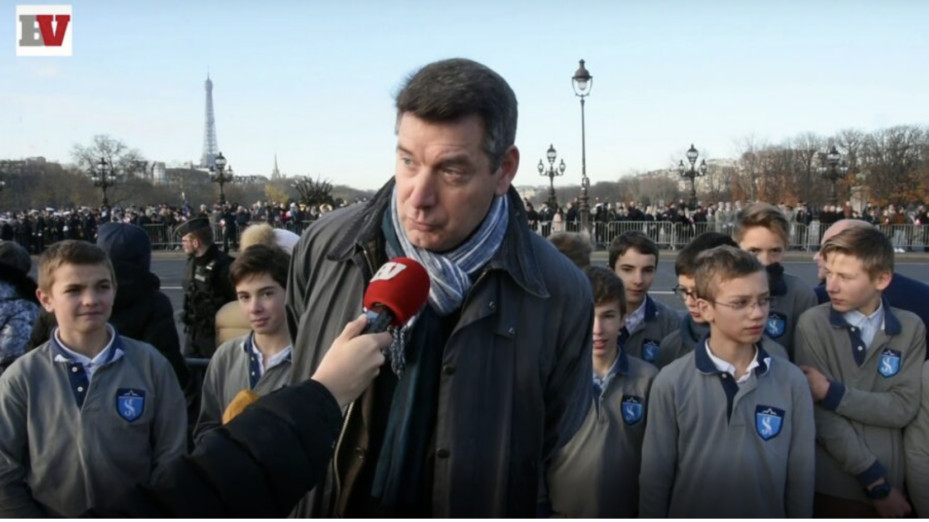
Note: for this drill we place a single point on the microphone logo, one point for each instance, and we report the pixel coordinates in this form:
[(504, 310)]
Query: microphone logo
[(388, 271)]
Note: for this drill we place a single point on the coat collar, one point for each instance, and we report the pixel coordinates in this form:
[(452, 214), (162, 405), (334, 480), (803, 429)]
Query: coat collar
[(515, 256), (892, 324)]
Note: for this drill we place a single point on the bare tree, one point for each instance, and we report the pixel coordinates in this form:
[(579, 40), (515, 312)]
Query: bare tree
[(121, 159)]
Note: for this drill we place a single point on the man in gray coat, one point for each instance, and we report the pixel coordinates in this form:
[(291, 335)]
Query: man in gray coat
[(493, 375)]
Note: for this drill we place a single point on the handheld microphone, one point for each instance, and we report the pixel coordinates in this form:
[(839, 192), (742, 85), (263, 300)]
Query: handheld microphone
[(398, 291)]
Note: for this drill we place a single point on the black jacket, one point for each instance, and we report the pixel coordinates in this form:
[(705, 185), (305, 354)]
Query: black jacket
[(515, 385), (257, 466), (141, 312)]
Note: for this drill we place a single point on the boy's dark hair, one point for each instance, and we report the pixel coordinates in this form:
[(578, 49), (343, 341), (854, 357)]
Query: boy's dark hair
[(686, 262), (449, 90), (70, 252), (868, 244), (574, 246), (258, 260), (606, 287), (632, 239), (718, 265)]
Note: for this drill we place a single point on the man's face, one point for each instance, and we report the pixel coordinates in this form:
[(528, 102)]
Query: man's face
[(849, 285), (444, 183), (190, 243), (764, 244), (262, 302), (637, 270), (608, 321), (81, 297), (736, 312)]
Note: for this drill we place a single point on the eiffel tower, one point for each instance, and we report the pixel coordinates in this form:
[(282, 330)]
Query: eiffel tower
[(210, 146)]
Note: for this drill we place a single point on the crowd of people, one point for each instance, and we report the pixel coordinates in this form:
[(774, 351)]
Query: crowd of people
[(530, 384), (36, 229)]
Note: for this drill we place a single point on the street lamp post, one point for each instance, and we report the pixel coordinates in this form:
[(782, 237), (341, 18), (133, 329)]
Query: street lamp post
[(692, 173), (583, 82), (834, 168), (219, 175), (551, 172), (104, 179)]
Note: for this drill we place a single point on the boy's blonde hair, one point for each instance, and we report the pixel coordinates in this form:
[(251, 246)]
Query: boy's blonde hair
[(868, 244), (721, 264), (763, 215), (70, 252)]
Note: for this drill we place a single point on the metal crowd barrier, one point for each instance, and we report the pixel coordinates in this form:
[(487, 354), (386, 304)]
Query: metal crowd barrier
[(164, 238), (672, 236)]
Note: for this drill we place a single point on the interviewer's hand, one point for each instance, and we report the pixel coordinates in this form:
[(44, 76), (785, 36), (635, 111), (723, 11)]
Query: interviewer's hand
[(352, 363)]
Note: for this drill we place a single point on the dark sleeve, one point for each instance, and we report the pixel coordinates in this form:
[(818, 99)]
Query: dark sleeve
[(41, 330), (257, 466), (160, 332), (226, 289)]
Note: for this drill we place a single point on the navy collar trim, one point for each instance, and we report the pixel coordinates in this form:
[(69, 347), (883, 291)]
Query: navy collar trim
[(250, 343), (651, 310), (115, 345), (892, 324), (705, 364), (622, 362)]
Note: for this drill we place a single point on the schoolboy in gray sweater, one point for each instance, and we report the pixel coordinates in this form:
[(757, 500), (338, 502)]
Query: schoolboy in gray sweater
[(863, 360), (764, 231), (259, 361), (730, 429), (596, 475), (693, 327), (88, 411), (634, 258)]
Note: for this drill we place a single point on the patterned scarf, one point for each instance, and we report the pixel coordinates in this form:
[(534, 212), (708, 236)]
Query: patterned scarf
[(449, 272)]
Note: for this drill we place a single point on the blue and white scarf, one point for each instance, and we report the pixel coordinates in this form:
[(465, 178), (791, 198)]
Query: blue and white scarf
[(450, 273)]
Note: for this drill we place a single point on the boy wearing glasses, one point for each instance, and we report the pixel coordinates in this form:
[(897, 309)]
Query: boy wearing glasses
[(634, 258), (693, 327), (764, 231), (596, 475), (863, 360), (730, 430)]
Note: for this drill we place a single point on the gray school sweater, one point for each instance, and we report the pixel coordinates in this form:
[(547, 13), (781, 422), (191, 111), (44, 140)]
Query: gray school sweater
[(232, 369), (874, 394), (596, 475), (66, 446), (683, 341), (699, 460), (645, 341), (792, 297), (916, 444)]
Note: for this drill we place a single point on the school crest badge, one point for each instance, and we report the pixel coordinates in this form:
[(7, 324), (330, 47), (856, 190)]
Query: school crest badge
[(650, 350), (889, 364), (776, 325), (768, 421), (130, 403), (633, 409)]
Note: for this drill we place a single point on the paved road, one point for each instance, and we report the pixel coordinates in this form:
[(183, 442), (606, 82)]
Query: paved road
[(170, 268)]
